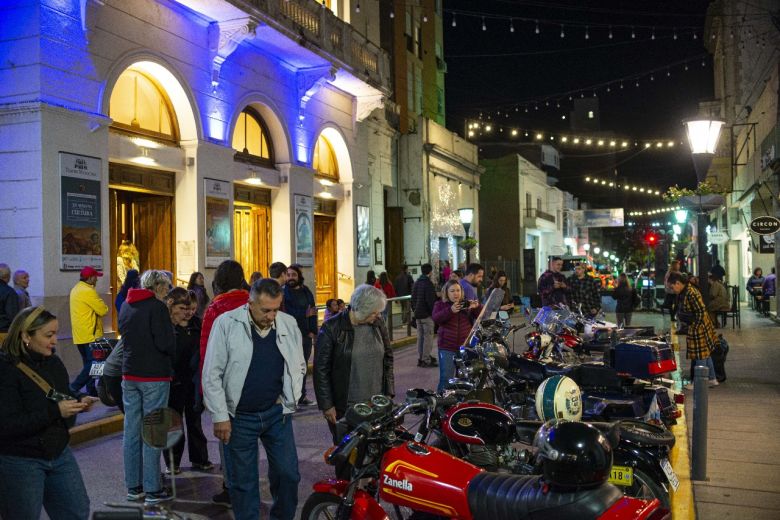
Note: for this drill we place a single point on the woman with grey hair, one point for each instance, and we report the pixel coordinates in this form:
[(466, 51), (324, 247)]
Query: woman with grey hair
[(147, 369), (353, 359)]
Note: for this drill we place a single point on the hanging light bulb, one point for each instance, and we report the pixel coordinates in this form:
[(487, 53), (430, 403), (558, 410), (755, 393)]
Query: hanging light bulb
[(668, 73), (637, 83), (594, 94), (675, 33), (652, 77), (633, 34), (484, 27), (357, 7), (511, 25), (652, 36), (610, 32), (703, 63), (609, 89), (425, 18), (557, 104), (392, 15), (537, 31), (563, 34), (587, 34), (694, 36), (686, 66), (454, 21), (570, 97)]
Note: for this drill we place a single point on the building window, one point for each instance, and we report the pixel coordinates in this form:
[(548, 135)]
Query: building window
[(251, 141), (324, 161), (539, 203), (590, 114), (139, 105)]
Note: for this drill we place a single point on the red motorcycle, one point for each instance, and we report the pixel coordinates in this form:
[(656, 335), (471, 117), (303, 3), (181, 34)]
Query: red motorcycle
[(389, 466)]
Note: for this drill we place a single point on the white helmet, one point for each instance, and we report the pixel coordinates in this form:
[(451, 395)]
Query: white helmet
[(559, 397)]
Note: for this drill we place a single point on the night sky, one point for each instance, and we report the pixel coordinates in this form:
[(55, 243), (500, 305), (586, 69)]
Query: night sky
[(495, 70)]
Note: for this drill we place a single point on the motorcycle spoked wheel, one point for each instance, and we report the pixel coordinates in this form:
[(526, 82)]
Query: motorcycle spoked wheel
[(646, 488), (645, 433)]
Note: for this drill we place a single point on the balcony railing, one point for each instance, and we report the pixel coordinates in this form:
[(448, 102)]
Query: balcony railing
[(537, 213), (320, 28)]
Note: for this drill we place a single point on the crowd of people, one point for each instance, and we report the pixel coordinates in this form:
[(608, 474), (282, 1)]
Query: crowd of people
[(242, 357)]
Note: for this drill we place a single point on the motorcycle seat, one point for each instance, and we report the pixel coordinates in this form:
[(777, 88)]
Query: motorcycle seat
[(496, 496)]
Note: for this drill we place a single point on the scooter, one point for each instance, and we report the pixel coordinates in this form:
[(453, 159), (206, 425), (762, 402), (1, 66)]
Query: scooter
[(390, 466)]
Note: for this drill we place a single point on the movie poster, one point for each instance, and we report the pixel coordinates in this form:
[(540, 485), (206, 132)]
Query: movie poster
[(363, 237), (81, 233), (304, 230), (217, 222)]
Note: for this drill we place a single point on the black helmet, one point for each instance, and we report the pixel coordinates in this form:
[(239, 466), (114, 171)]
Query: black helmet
[(573, 454)]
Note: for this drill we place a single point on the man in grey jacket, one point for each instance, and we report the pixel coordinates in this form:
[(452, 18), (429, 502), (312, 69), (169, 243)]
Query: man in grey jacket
[(252, 378)]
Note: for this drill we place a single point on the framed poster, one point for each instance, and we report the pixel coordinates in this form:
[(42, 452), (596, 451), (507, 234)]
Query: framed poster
[(304, 229), (363, 240), (217, 222), (81, 231)]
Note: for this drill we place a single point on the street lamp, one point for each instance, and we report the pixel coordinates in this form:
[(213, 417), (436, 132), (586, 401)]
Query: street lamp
[(596, 250), (681, 215), (466, 218), (606, 254), (586, 247), (703, 137)]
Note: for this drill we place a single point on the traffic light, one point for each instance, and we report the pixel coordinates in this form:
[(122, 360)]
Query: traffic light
[(651, 238)]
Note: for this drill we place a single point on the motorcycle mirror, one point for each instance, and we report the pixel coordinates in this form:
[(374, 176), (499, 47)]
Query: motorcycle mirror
[(162, 428)]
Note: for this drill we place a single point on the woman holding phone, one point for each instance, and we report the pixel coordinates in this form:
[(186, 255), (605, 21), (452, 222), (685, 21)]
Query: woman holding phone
[(454, 316)]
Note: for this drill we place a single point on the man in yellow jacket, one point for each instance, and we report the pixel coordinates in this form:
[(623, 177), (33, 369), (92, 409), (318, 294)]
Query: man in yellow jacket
[(86, 319)]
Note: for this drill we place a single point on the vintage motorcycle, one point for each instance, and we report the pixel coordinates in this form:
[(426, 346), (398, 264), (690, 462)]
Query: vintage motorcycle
[(390, 466)]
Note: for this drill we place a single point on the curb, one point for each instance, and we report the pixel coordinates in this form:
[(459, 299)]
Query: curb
[(683, 507), (109, 425)]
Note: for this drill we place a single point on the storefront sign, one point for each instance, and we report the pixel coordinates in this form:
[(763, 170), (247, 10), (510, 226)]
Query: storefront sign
[(80, 212), (765, 225), (598, 217), (304, 243), (718, 237), (363, 237), (766, 244), (217, 222)]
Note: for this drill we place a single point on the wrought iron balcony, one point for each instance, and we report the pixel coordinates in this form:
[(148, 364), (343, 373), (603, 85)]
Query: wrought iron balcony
[(537, 213)]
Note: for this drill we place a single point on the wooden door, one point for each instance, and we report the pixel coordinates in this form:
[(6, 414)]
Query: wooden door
[(394, 241), (325, 258), (252, 243), (153, 232)]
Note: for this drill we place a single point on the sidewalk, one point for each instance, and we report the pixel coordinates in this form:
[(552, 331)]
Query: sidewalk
[(743, 468)]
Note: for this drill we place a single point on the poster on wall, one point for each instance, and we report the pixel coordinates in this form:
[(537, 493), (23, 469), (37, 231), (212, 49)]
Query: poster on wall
[(363, 240), (766, 243), (217, 222), (81, 231), (304, 228)]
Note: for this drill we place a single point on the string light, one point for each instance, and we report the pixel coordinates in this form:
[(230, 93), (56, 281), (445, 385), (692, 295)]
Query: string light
[(484, 27), (357, 7), (587, 34), (454, 21), (511, 26), (563, 35), (610, 32), (537, 31)]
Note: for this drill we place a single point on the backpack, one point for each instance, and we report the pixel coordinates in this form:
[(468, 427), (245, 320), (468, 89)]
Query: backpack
[(635, 299)]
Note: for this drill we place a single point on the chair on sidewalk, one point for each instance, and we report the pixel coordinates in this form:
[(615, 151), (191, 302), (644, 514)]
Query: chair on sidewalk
[(733, 313)]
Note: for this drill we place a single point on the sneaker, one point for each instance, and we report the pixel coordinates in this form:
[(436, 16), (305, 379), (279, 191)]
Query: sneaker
[(135, 494), (206, 466), (222, 498), (176, 470), (433, 362), (713, 382), (304, 402), (160, 496), (420, 363)]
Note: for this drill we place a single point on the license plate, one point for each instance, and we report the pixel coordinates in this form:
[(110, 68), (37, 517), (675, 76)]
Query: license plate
[(622, 475), (96, 370), (670, 474)]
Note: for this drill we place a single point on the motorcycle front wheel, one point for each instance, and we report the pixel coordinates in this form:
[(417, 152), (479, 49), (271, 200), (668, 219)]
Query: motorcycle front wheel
[(646, 488), (321, 506)]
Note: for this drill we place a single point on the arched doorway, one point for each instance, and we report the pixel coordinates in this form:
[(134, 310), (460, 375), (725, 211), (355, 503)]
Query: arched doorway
[(326, 165), (149, 112)]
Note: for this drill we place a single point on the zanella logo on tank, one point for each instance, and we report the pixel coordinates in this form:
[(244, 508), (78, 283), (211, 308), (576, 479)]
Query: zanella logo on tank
[(765, 225), (398, 484)]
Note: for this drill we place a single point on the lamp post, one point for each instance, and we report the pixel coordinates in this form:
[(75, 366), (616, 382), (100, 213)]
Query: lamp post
[(703, 137), (466, 218)]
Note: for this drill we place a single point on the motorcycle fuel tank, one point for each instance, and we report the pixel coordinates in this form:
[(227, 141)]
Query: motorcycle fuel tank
[(426, 479), (478, 423)]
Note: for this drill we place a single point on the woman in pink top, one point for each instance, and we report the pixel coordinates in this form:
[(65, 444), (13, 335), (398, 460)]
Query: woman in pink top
[(454, 316)]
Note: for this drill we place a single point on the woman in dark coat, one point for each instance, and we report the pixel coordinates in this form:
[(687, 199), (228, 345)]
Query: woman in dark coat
[(37, 468), (197, 284), (624, 294)]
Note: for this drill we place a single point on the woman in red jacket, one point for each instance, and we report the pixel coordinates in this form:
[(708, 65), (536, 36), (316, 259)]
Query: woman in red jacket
[(384, 285), (454, 316)]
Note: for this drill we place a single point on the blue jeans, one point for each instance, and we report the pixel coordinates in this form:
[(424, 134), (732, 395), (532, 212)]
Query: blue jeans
[(142, 462), (28, 484), (704, 363), (276, 433), (446, 368), (84, 378)]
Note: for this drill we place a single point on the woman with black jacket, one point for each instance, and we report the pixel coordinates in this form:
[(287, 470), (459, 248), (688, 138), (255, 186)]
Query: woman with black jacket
[(37, 468), (625, 296), (183, 306)]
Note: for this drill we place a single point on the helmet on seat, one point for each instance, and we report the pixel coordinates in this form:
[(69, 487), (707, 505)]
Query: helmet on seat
[(558, 397), (573, 454)]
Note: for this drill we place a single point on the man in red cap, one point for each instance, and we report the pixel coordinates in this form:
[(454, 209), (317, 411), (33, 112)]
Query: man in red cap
[(86, 320)]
